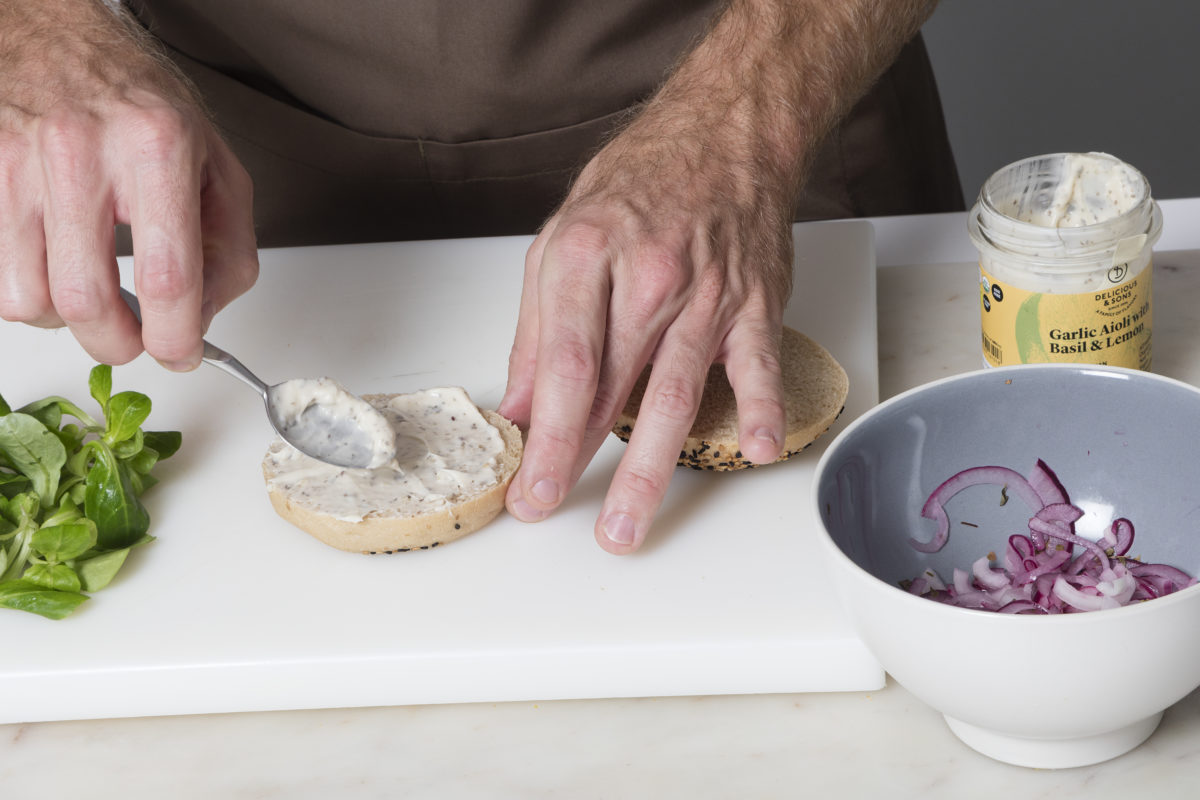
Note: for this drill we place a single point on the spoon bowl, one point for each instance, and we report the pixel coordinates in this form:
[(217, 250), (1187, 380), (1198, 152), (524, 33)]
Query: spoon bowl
[(316, 416)]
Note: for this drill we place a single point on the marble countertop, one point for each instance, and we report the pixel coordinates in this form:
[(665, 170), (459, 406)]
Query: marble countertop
[(884, 743)]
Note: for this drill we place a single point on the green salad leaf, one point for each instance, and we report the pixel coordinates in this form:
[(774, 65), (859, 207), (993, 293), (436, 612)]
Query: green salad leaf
[(34, 451), (24, 595), (111, 502), (100, 387), (70, 507), (65, 542)]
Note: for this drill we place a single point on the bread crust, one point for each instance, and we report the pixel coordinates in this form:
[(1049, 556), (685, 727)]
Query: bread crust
[(384, 531), (815, 387)]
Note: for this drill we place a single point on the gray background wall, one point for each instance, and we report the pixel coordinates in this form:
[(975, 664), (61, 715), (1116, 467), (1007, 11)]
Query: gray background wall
[(1021, 77)]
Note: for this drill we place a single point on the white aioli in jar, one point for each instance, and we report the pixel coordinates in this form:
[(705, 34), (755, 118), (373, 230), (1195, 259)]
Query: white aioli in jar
[(1065, 243)]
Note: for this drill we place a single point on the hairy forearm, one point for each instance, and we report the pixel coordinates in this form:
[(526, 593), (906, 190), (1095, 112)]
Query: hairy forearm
[(56, 49), (773, 76)]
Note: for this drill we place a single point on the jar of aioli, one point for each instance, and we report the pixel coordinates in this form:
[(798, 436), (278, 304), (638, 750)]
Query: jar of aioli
[(1065, 243)]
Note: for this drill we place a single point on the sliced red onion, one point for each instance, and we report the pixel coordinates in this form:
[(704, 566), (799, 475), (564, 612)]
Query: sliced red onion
[(1045, 483), (1051, 561), (1162, 578), (1042, 574), (1019, 607), (1119, 536), (1081, 600), (1062, 512), (1118, 584), (988, 577), (998, 476), (1057, 529), (920, 586)]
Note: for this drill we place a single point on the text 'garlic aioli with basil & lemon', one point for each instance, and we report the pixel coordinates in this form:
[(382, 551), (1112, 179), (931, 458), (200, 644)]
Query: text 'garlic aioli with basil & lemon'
[(1065, 244)]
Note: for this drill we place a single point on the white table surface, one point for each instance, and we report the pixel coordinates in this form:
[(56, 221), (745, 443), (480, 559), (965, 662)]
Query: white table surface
[(868, 744)]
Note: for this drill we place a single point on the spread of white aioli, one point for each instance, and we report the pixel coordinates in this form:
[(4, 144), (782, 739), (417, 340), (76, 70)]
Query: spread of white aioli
[(445, 451), (1090, 190), (320, 417)]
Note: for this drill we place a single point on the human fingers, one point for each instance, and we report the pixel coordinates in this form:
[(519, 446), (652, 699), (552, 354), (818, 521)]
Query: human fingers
[(161, 156), (80, 260), (24, 288), (667, 411), (230, 250), (752, 364), (653, 280), (573, 291), (522, 358)]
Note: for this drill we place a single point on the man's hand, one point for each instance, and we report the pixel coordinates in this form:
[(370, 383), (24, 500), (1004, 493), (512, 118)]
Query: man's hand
[(684, 263), (674, 247), (95, 130)]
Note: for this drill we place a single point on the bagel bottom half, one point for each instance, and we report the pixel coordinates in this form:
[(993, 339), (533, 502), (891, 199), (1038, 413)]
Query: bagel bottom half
[(814, 386), (391, 530)]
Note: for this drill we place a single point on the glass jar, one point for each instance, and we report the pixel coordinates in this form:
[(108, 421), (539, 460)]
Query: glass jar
[(1065, 249)]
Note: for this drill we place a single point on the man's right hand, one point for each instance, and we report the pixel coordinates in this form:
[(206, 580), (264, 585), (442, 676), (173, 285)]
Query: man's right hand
[(97, 129)]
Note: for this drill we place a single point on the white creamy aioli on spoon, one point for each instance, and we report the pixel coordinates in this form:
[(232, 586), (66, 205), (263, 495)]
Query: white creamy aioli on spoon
[(316, 416), (319, 416)]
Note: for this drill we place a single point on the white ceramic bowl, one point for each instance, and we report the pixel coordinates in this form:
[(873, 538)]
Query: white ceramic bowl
[(1043, 691)]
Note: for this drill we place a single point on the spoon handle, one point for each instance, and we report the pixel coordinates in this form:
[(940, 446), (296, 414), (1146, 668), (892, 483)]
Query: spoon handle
[(212, 354), (222, 360)]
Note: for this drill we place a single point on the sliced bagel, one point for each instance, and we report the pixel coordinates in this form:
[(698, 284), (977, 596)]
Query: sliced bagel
[(399, 524), (814, 385)]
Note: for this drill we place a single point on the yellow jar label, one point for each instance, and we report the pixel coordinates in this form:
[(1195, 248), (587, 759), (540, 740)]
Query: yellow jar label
[(1108, 326)]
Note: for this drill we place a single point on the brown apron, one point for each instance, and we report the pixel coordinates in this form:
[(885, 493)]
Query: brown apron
[(365, 120)]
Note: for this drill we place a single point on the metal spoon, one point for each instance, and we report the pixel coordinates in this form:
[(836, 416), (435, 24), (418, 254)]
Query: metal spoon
[(314, 428)]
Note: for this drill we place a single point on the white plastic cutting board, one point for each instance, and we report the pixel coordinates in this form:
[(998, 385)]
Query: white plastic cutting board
[(232, 609)]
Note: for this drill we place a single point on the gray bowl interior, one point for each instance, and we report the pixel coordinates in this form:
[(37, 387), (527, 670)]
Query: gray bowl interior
[(1122, 443)]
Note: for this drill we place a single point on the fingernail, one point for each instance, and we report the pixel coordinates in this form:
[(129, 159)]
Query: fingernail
[(766, 435), (619, 529), (180, 366), (525, 512), (545, 491)]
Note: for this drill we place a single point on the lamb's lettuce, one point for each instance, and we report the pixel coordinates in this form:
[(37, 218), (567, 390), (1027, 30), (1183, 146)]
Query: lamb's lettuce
[(70, 507)]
